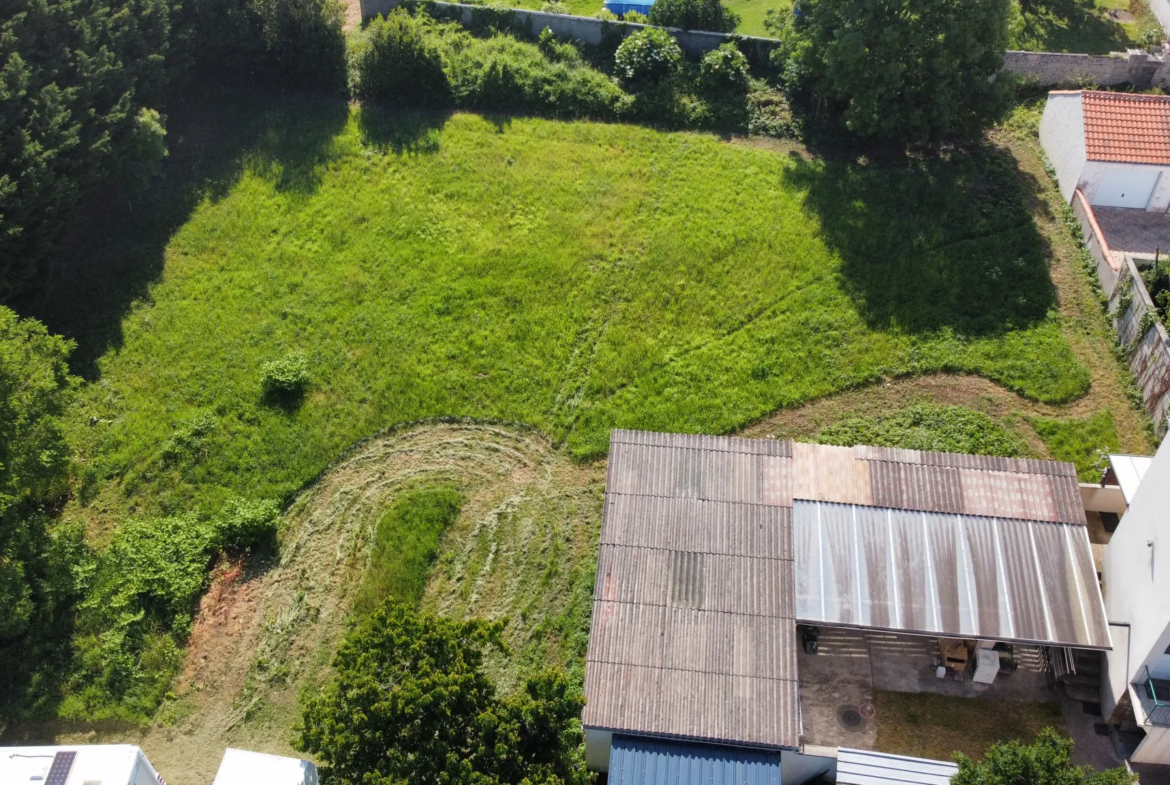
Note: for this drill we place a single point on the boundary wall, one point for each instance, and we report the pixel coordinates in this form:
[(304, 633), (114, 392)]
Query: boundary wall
[(1135, 67)]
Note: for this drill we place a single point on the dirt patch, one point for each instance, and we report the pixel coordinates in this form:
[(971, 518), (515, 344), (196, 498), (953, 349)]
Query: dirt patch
[(265, 633), (353, 14)]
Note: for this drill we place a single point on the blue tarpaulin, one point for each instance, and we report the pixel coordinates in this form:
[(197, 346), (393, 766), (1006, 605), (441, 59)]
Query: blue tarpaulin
[(626, 6), (635, 760)]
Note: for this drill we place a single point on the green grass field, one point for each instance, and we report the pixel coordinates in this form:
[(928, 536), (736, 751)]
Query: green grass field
[(573, 276)]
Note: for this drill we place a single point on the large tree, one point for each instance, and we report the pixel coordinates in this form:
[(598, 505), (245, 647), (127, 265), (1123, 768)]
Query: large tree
[(74, 77), (914, 71), (34, 459), (1046, 761), (410, 705)]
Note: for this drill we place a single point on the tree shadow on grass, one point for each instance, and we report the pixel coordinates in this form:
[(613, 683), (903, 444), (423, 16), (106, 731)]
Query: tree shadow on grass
[(1077, 27), (401, 132), (935, 242), (116, 250)]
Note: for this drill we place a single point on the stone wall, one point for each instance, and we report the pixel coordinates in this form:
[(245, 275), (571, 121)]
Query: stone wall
[(1145, 341), (1053, 69), (1095, 243)]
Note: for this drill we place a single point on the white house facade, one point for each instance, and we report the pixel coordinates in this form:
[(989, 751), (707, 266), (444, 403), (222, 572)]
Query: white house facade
[(1114, 147), (1137, 599)]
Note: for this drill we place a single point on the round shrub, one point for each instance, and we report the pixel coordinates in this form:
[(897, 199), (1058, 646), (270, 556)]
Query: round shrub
[(724, 70), (647, 56), (285, 378), (694, 15), (396, 63)]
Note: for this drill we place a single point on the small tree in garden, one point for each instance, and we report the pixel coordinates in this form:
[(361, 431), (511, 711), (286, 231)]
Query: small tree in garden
[(410, 705), (646, 57), (914, 71), (724, 71), (694, 15), (396, 63), (1046, 761)]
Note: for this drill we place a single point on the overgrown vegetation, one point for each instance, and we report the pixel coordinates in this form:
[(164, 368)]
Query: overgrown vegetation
[(410, 704), (1086, 26), (926, 426), (910, 72), (694, 15), (140, 595), (1045, 761), (1157, 282), (1080, 441), (406, 540)]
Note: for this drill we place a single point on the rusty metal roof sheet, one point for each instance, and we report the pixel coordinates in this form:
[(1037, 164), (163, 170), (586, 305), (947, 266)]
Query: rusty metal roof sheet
[(961, 576), (695, 610)]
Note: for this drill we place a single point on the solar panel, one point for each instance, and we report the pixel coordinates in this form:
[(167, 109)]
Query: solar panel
[(59, 771)]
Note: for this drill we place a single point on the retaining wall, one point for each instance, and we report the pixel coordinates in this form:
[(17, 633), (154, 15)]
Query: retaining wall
[(1054, 69), (1145, 341), (1095, 242)]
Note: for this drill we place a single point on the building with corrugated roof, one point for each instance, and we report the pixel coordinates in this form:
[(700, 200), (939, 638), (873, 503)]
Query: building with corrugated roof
[(716, 552)]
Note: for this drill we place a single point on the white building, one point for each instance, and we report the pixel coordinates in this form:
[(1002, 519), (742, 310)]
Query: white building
[(108, 764), (1137, 599), (241, 767), (1114, 147)]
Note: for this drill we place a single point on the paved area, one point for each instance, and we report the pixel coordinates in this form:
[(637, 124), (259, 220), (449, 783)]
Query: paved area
[(1134, 231), (1152, 775), (837, 678)]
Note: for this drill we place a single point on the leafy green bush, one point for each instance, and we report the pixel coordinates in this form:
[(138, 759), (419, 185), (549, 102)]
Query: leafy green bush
[(647, 57), (635, 18), (1046, 761), (409, 703), (140, 597), (188, 439), (694, 15), (926, 426), (395, 62), (285, 378), (555, 8), (724, 71)]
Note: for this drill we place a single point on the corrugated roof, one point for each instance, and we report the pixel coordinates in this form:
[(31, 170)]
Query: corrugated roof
[(640, 761), (959, 576), (1127, 128), (862, 767), (694, 606)]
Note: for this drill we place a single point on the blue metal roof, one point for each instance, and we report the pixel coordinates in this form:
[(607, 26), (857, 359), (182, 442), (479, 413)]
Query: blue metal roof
[(640, 761), (625, 6)]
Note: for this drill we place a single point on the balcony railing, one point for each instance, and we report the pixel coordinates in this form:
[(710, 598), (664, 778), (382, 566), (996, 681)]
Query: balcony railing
[(1155, 697)]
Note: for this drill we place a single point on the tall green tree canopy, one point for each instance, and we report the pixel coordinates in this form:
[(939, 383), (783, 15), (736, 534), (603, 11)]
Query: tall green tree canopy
[(1046, 761), (411, 705), (74, 75), (914, 71), (34, 459)]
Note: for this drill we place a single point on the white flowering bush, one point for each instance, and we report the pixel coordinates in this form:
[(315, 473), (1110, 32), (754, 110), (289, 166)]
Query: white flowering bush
[(724, 70), (647, 56)]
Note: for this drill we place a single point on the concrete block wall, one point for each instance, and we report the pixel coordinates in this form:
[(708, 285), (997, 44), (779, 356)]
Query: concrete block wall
[(1095, 243)]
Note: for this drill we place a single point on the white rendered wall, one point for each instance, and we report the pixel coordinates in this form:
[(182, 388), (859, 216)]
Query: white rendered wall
[(1155, 747), (1137, 580), (598, 744), (1062, 135)]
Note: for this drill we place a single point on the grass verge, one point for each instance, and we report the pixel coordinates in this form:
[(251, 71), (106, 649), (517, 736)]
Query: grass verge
[(936, 726), (926, 426)]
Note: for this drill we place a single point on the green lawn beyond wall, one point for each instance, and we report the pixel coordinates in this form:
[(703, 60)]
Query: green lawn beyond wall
[(573, 276)]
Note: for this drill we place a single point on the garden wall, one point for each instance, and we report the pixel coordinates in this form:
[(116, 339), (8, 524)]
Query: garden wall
[(1095, 242), (1054, 69), (694, 43), (1145, 342)]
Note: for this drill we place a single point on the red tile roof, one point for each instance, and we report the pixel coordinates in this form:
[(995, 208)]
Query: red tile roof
[(1127, 128)]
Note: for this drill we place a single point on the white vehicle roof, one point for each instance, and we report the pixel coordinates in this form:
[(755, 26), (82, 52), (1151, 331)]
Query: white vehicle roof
[(109, 764), (240, 767)]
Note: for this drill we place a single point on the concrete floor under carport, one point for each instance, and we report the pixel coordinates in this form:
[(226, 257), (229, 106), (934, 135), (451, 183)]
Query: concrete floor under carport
[(852, 664)]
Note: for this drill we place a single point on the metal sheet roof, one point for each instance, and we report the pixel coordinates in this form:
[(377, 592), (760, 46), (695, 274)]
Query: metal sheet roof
[(642, 761), (961, 576), (694, 612), (861, 767), (1130, 470)]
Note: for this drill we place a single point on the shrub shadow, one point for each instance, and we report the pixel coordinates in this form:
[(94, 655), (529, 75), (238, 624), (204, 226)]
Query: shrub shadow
[(116, 249), (931, 242), (401, 132)]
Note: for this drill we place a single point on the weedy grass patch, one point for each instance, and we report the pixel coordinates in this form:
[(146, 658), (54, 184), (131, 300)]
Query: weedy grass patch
[(926, 426), (1080, 441), (574, 276)]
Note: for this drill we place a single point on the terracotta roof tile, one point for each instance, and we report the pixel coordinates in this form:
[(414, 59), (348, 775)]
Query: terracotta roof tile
[(1127, 128)]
